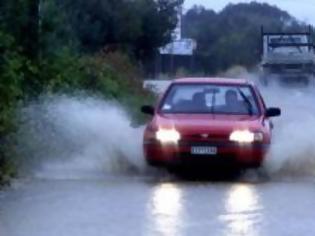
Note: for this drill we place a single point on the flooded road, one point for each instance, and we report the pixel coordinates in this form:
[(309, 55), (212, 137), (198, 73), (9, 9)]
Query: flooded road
[(147, 206)]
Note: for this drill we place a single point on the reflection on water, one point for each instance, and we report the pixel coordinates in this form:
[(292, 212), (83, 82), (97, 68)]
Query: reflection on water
[(242, 211), (165, 210)]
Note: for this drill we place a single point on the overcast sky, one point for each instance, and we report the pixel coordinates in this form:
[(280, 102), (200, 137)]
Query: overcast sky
[(302, 9)]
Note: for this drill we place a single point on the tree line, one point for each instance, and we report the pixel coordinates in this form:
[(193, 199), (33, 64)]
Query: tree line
[(232, 36), (49, 46)]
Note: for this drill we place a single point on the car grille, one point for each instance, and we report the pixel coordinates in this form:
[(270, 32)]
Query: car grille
[(205, 137)]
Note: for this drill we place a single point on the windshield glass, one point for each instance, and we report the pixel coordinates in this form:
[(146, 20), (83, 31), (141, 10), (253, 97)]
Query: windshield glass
[(210, 98)]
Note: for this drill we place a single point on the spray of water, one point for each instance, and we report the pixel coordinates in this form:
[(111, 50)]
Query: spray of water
[(76, 137), (293, 146), (83, 136)]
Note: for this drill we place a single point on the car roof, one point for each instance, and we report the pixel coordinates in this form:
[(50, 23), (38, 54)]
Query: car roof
[(214, 80)]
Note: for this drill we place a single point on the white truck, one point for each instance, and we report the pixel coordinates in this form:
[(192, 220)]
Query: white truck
[(287, 57)]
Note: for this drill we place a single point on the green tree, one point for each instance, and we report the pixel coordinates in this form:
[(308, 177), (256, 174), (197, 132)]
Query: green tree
[(232, 36), (20, 18), (49, 46), (138, 27)]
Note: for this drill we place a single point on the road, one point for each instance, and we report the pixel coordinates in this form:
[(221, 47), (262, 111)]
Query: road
[(157, 206)]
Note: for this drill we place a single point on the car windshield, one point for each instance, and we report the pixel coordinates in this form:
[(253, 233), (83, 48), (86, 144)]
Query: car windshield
[(210, 98)]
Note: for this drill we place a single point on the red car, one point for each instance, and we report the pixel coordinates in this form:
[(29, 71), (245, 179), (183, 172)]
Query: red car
[(209, 122)]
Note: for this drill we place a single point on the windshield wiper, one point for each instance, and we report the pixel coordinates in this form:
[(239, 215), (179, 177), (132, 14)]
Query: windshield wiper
[(248, 103)]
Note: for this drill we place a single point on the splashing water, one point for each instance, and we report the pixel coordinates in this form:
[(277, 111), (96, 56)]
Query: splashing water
[(82, 136), (75, 137), (293, 148), (292, 151)]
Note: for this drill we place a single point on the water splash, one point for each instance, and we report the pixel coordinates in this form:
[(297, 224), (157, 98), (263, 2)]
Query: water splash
[(78, 136), (293, 146), (82, 136)]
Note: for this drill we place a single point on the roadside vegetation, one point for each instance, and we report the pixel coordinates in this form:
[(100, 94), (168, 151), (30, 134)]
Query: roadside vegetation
[(62, 46)]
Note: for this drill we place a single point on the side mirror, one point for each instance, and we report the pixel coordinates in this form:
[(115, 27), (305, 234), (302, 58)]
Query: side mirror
[(149, 110), (273, 112)]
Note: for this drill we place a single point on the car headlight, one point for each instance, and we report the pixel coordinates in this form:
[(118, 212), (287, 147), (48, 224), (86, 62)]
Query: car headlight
[(168, 135), (246, 136)]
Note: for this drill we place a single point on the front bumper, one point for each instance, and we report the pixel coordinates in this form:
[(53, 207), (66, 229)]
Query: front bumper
[(228, 154)]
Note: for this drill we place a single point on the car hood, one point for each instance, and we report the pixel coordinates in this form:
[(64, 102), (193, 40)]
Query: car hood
[(208, 122)]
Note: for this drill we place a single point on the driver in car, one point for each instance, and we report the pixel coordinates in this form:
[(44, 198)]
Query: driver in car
[(199, 102), (232, 104)]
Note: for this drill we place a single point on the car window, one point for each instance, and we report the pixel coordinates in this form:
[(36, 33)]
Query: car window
[(209, 98)]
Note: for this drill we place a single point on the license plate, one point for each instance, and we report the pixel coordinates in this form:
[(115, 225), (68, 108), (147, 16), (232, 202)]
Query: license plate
[(204, 150)]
